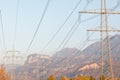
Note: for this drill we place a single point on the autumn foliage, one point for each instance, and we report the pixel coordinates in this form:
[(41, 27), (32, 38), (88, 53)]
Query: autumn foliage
[(3, 73), (80, 77), (51, 77)]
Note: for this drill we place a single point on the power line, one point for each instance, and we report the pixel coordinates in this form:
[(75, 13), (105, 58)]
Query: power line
[(1, 44), (82, 46), (77, 52), (117, 5), (67, 35), (36, 31), (74, 31), (103, 55), (16, 21), (88, 1), (13, 57), (104, 24), (71, 35), (2, 29), (62, 25), (88, 58), (96, 51), (58, 31), (85, 40)]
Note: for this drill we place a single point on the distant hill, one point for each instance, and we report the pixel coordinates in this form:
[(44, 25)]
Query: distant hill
[(70, 61)]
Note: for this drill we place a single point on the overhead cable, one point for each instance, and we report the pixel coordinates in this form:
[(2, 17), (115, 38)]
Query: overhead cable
[(53, 37), (74, 30), (2, 29), (16, 21), (39, 24)]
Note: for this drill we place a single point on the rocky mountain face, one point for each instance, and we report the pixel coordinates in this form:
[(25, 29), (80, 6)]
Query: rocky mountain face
[(70, 62), (34, 64)]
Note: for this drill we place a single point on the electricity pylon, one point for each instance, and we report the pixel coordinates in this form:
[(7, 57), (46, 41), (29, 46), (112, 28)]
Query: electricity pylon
[(104, 28), (13, 55)]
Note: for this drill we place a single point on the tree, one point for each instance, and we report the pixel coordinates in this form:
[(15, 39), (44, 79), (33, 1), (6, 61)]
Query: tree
[(102, 77), (51, 77), (63, 78), (81, 77), (3, 74), (92, 78)]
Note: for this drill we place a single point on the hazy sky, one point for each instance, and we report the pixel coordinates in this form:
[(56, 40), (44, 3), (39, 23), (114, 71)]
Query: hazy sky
[(29, 14)]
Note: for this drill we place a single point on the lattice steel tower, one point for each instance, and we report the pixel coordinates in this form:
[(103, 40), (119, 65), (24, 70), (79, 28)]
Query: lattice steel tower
[(104, 29), (12, 56)]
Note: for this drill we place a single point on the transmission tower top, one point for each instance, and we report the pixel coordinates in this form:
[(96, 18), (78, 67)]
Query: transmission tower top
[(104, 28)]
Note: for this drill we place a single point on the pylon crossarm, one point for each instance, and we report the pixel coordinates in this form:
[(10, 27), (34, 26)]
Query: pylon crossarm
[(100, 12), (103, 30), (13, 51)]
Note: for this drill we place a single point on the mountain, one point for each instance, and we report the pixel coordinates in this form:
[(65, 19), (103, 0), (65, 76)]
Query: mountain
[(34, 64), (64, 56), (71, 61)]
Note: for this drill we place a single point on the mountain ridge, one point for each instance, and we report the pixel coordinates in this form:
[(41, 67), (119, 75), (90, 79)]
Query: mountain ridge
[(67, 62)]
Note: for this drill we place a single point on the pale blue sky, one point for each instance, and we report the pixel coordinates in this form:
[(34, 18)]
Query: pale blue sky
[(29, 14)]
